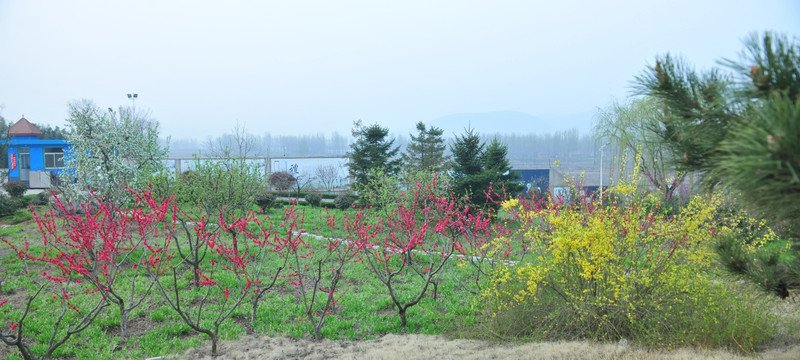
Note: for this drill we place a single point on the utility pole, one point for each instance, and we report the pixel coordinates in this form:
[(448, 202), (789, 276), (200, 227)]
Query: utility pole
[(133, 97), (601, 169)]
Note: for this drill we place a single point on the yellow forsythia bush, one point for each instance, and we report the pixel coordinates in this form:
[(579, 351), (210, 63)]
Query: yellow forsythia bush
[(612, 272)]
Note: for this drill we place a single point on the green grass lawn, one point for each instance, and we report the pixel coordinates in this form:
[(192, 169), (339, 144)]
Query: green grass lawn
[(364, 311)]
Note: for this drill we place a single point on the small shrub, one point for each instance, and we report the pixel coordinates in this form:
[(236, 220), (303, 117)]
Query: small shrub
[(313, 199), (187, 187), (15, 188), (10, 205), (40, 199), (344, 201), (265, 200), (220, 183), (282, 180), (288, 202), (164, 183)]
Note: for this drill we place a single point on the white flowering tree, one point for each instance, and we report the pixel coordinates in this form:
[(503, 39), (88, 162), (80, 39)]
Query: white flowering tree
[(110, 150)]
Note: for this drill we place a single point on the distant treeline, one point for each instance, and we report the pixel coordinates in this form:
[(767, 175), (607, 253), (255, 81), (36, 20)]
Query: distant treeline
[(523, 149)]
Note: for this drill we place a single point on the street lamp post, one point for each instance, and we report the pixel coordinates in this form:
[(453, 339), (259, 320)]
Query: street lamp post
[(601, 169), (133, 98)]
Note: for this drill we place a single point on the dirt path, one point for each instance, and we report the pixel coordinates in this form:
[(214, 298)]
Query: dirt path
[(437, 347)]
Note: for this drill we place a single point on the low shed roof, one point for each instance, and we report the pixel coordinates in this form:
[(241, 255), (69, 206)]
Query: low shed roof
[(23, 127)]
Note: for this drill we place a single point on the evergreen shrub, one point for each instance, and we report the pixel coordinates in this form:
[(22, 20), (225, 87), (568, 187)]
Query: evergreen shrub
[(10, 205), (344, 201), (15, 188), (313, 199), (265, 200)]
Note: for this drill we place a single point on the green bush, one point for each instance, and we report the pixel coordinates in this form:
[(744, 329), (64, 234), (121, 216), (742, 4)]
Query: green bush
[(314, 199), (619, 272), (774, 266), (216, 184), (163, 183), (302, 194), (188, 186), (288, 202), (290, 194), (750, 248), (282, 180), (15, 188), (344, 201), (41, 199), (10, 205), (265, 200)]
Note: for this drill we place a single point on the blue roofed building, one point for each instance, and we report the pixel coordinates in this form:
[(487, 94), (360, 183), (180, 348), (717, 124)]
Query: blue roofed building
[(33, 160), (534, 179)]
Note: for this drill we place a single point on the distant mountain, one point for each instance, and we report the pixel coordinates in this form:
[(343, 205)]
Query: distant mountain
[(495, 122), (510, 122)]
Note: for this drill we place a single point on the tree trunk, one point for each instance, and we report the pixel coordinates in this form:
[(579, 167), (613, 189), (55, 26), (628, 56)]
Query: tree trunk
[(123, 320), (254, 302), (25, 350), (318, 327), (214, 340), (196, 267), (402, 313)]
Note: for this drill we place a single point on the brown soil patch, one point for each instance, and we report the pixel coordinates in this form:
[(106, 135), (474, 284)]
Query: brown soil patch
[(436, 347), (136, 326)]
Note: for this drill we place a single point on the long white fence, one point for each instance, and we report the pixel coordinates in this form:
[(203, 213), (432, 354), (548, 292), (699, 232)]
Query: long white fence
[(305, 167)]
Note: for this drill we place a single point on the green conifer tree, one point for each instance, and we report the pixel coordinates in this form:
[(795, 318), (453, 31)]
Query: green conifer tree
[(425, 152), (4, 145), (497, 169), (477, 167), (371, 151), (739, 129), (467, 165)]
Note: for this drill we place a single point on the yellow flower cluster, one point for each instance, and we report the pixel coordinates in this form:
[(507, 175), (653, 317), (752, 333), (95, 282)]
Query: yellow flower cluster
[(510, 205), (601, 258)]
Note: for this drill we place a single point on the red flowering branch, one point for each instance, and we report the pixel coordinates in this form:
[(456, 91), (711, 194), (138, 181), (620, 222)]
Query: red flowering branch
[(416, 240), (318, 274), (102, 244), (86, 251), (480, 253), (196, 241), (15, 337), (220, 257), (64, 327), (264, 273)]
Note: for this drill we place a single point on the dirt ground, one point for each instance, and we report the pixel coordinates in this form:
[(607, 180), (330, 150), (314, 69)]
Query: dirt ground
[(436, 347), (413, 346), (785, 346)]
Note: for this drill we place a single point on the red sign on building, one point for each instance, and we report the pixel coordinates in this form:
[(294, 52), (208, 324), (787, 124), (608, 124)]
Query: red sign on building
[(13, 161)]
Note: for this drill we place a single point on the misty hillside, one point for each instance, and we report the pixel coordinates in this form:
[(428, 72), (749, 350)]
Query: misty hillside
[(525, 150), (495, 122), (510, 122)]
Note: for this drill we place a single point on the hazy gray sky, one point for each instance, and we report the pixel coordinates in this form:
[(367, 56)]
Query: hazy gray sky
[(302, 67)]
